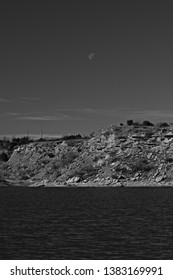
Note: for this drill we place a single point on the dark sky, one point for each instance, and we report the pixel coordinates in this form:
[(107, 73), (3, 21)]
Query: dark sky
[(48, 83)]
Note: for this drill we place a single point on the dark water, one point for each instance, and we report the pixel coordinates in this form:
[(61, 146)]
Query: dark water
[(86, 223)]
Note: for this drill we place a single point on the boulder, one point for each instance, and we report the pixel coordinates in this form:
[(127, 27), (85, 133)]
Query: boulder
[(159, 178), (73, 180)]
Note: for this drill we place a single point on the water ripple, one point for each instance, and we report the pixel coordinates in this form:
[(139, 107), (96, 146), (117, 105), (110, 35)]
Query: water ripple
[(88, 223)]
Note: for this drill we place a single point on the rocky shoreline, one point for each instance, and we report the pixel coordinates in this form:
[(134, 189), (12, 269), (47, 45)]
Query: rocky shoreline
[(119, 155), (89, 184)]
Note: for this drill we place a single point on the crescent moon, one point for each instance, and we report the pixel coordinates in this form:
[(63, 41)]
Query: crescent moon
[(91, 56)]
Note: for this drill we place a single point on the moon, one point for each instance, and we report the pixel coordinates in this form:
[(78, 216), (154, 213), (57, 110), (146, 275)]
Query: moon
[(91, 56)]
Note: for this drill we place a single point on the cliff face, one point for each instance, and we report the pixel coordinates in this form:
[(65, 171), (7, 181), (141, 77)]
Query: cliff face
[(114, 155)]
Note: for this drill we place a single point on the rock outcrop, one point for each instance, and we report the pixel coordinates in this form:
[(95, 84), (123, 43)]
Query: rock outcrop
[(116, 155)]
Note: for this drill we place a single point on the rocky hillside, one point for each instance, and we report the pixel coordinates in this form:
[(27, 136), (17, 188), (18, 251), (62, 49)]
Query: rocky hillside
[(117, 155)]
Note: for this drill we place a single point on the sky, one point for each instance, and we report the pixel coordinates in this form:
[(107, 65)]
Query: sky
[(49, 84)]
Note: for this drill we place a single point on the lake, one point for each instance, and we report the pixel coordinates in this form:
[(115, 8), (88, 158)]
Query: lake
[(86, 223)]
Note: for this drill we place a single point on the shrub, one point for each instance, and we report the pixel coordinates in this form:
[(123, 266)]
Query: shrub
[(164, 130), (24, 177), (73, 142), (67, 158), (136, 124), (147, 123), (129, 122), (141, 165), (163, 124), (107, 133), (113, 155), (114, 176), (148, 134), (64, 160), (3, 157), (96, 158), (20, 141), (45, 161), (122, 169), (168, 159), (70, 137), (53, 170), (4, 171), (85, 171), (51, 155)]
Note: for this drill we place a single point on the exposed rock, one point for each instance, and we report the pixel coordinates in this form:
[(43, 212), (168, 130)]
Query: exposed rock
[(114, 154), (4, 183), (73, 180), (159, 179)]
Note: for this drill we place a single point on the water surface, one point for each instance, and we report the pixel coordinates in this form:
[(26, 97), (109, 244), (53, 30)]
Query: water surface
[(86, 223)]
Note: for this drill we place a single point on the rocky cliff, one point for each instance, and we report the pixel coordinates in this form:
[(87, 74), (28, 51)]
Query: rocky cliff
[(117, 155)]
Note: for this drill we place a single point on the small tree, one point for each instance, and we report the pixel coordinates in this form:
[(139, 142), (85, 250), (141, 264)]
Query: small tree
[(163, 124), (130, 122), (147, 123)]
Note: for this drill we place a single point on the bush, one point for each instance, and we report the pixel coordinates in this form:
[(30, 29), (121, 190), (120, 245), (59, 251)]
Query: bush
[(21, 141), (130, 122), (71, 137), (136, 124), (164, 124), (147, 123), (73, 142), (64, 160), (45, 161), (141, 165), (53, 170), (164, 130), (4, 172), (85, 172), (113, 155), (51, 155), (148, 134), (114, 176), (67, 158), (107, 133), (24, 177), (122, 169), (3, 157), (168, 159)]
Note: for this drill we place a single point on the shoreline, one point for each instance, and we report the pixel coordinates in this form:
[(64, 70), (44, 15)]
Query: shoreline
[(42, 184)]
